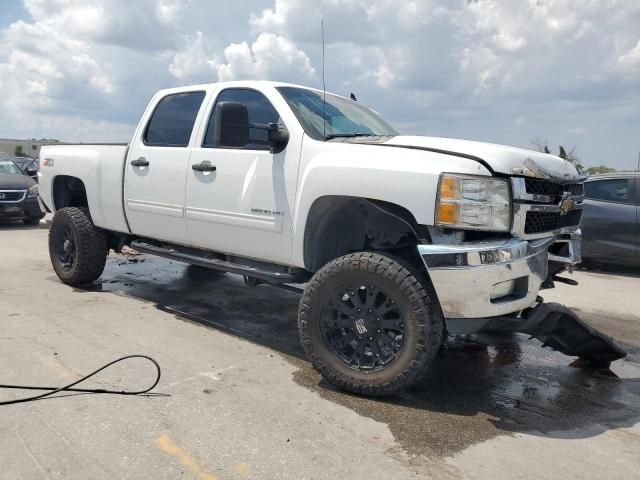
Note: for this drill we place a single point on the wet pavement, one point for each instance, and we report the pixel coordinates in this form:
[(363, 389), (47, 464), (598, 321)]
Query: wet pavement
[(479, 387)]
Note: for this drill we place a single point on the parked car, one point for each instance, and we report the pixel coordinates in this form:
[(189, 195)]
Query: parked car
[(18, 195), (399, 238), (610, 221), (28, 165)]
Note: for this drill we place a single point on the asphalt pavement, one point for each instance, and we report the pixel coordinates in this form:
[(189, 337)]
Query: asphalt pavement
[(238, 400)]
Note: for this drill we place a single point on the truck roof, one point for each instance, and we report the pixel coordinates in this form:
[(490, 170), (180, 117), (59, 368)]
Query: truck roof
[(612, 175), (258, 84)]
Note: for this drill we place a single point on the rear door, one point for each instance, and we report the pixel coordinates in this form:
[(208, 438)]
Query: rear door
[(156, 168), (609, 223)]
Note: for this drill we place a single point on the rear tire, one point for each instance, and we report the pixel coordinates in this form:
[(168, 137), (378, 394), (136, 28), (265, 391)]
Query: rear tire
[(31, 221), (393, 335), (78, 249)]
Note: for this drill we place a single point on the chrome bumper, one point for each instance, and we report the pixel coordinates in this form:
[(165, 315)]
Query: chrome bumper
[(466, 276), (567, 249)]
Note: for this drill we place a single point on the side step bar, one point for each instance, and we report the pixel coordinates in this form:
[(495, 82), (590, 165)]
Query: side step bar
[(205, 259)]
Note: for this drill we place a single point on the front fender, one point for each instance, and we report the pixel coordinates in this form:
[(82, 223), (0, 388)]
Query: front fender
[(408, 178)]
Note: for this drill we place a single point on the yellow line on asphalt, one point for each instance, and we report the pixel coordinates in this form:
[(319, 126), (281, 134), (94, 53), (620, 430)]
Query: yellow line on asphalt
[(164, 443), (242, 469)]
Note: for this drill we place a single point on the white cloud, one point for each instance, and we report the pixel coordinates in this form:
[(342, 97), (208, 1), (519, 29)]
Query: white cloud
[(270, 57), (139, 24), (195, 61), (452, 68), (631, 60)]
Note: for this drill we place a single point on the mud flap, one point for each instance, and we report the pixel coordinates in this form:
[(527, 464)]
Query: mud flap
[(558, 327)]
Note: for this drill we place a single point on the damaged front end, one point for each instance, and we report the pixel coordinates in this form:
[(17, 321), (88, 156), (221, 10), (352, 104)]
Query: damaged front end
[(494, 285), (558, 327)]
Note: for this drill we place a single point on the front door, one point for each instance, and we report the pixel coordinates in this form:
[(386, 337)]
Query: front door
[(156, 169), (243, 207), (608, 222)]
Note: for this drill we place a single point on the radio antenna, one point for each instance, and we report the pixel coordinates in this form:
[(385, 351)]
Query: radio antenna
[(324, 91)]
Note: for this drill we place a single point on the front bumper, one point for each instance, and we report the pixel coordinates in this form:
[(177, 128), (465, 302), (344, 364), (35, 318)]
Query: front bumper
[(469, 277), (27, 208)]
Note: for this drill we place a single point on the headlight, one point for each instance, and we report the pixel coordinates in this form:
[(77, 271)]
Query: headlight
[(470, 202), (32, 192)]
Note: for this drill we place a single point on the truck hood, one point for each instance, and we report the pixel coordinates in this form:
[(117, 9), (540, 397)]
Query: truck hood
[(499, 158)]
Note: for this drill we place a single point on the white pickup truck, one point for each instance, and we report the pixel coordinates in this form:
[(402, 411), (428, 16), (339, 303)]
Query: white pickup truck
[(399, 239)]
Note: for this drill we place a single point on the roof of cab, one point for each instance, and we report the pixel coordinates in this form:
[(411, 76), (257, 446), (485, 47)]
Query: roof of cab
[(612, 175), (236, 83), (257, 84)]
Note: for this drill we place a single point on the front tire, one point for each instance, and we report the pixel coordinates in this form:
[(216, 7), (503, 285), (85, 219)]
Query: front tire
[(78, 249), (369, 324)]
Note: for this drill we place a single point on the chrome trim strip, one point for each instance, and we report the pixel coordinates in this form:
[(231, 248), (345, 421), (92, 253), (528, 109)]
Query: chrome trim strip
[(488, 253), (24, 194)]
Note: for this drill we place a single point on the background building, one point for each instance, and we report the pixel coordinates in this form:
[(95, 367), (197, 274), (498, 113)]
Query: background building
[(30, 148)]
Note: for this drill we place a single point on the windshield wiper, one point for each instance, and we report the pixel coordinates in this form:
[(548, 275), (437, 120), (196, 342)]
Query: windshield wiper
[(349, 135)]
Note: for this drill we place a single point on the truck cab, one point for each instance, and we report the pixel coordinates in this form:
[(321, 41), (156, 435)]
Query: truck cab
[(399, 239)]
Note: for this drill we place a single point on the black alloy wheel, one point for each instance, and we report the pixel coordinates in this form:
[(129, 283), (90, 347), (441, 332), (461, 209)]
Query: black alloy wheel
[(362, 326), (64, 245)]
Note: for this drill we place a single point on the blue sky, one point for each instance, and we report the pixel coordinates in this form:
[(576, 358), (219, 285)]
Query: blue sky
[(504, 71)]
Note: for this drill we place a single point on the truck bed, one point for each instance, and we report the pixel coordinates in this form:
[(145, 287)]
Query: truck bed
[(99, 167)]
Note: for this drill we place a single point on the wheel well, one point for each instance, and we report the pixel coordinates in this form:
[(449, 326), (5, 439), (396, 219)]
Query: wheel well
[(338, 225), (68, 192)]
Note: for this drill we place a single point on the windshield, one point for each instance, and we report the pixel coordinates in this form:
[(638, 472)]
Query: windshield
[(344, 118), (7, 166), (25, 163)]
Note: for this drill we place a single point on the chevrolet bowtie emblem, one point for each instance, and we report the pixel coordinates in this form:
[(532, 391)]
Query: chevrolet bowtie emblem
[(566, 203)]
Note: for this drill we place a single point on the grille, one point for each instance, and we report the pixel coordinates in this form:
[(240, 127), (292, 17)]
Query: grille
[(543, 187), (11, 196), (539, 222)]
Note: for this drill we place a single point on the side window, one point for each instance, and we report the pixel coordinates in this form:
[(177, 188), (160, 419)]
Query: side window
[(172, 120), (260, 112), (608, 190)]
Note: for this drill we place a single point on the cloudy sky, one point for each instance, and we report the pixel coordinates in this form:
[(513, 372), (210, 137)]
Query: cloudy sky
[(504, 71)]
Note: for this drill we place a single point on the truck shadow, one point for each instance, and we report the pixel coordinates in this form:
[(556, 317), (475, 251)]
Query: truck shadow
[(479, 386)]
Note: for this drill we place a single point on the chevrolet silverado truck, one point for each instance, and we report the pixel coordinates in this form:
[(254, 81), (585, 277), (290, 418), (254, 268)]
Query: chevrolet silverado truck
[(400, 240)]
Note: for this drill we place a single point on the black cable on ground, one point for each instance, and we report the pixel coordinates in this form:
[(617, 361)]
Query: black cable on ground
[(68, 388)]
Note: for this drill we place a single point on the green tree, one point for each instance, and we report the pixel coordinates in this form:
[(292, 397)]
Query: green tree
[(600, 169), (19, 152), (569, 155)]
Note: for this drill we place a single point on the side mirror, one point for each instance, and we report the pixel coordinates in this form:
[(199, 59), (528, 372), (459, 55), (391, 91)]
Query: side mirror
[(231, 124), (278, 137)]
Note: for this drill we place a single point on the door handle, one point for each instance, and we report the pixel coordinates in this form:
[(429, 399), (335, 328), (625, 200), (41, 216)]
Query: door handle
[(140, 162), (204, 166)]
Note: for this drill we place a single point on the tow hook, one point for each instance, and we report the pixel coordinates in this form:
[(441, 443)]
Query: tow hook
[(549, 281), (568, 281)]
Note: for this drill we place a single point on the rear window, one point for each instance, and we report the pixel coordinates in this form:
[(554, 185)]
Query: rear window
[(608, 190), (173, 119)]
